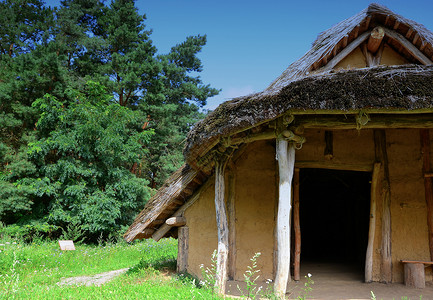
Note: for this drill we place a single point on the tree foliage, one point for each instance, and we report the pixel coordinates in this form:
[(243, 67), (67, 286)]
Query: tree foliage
[(92, 117)]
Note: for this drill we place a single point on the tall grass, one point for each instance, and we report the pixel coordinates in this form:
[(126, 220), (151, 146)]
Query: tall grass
[(34, 271)]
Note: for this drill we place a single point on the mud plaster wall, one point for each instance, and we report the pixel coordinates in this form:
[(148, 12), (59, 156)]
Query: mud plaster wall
[(352, 61), (357, 60), (408, 207), (254, 204), (203, 238)]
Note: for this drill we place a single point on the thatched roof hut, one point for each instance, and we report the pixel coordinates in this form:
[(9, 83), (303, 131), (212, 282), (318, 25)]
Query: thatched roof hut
[(371, 74)]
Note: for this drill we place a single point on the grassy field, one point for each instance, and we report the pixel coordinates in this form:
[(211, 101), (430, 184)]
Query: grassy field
[(34, 271)]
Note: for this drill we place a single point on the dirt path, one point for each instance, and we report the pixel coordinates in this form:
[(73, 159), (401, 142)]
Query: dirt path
[(97, 279)]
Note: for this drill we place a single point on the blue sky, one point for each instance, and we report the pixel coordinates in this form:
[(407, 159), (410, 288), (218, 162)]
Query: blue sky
[(250, 43)]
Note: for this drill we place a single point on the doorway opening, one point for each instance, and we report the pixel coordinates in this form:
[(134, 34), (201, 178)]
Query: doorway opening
[(334, 217)]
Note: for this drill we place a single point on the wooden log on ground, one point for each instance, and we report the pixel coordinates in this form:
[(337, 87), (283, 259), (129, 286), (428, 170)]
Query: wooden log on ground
[(183, 247), (296, 226), (382, 157), (286, 163), (372, 226), (375, 39), (428, 186), (222, 225), (176, 221)]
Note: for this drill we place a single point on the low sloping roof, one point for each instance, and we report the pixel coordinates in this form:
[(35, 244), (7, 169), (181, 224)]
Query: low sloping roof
[(304, 88)]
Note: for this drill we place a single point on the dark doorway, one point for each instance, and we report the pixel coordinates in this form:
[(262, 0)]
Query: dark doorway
[(334, 215)]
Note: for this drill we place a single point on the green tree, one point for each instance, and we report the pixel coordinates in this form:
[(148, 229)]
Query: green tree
[(83, 154)]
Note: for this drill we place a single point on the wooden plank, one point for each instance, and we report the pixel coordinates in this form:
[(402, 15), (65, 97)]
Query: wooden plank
[(296, 226), (382, 157), (176, 221), (231, 211), (427, 263), (346, 51), (408, 46), (160, 233), (222, 226), (428, 186), (372, 226), (286, 162), (183, 247)]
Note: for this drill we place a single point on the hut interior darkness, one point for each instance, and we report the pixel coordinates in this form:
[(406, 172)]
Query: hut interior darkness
[(331, 161), (334, 199)]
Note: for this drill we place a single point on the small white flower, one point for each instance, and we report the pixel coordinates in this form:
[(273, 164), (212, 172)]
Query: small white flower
[(309, 275)]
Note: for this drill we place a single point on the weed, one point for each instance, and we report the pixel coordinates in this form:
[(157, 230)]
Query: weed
[(251, 278), (307, 287), (209, 274)]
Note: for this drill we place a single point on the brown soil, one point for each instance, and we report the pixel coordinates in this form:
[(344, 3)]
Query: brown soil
[(338, 281)]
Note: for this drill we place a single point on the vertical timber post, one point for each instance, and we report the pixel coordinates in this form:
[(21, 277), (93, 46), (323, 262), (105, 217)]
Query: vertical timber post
[(296, 226), (231, 210), (286, 162), (222, 224), (182, 246), (382, 157), (425, 149), (372, 226)]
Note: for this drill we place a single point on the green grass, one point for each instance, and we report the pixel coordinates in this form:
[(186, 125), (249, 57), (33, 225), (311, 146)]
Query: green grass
[(33, 271)]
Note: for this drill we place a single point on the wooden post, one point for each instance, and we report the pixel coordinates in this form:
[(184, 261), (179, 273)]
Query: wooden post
[(286, 164), (382, 157), (296, 226), (425, 149), (182, 246), (222, 224), (329, 145), (372, 227), (232, 223)]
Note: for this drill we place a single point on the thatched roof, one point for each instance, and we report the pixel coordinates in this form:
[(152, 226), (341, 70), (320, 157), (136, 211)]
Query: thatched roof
[(304, 89)]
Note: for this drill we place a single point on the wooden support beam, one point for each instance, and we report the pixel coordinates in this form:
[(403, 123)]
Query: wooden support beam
[(266, 135), (286, 162), (382, 157), (372, 226), (296, 226), (396, 25), (231, 211), (176, 221), (408, 46), (415, 39), (428, 186), (290, 136), (182, 247), (409, 33), (331, 165), (222, 226), (375, 39), (346, 51), (329, 145), (375, 122), (161, 232)]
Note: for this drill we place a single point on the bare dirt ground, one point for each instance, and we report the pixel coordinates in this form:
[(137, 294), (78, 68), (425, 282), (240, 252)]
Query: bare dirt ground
[(97, 279), (339, 281)]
